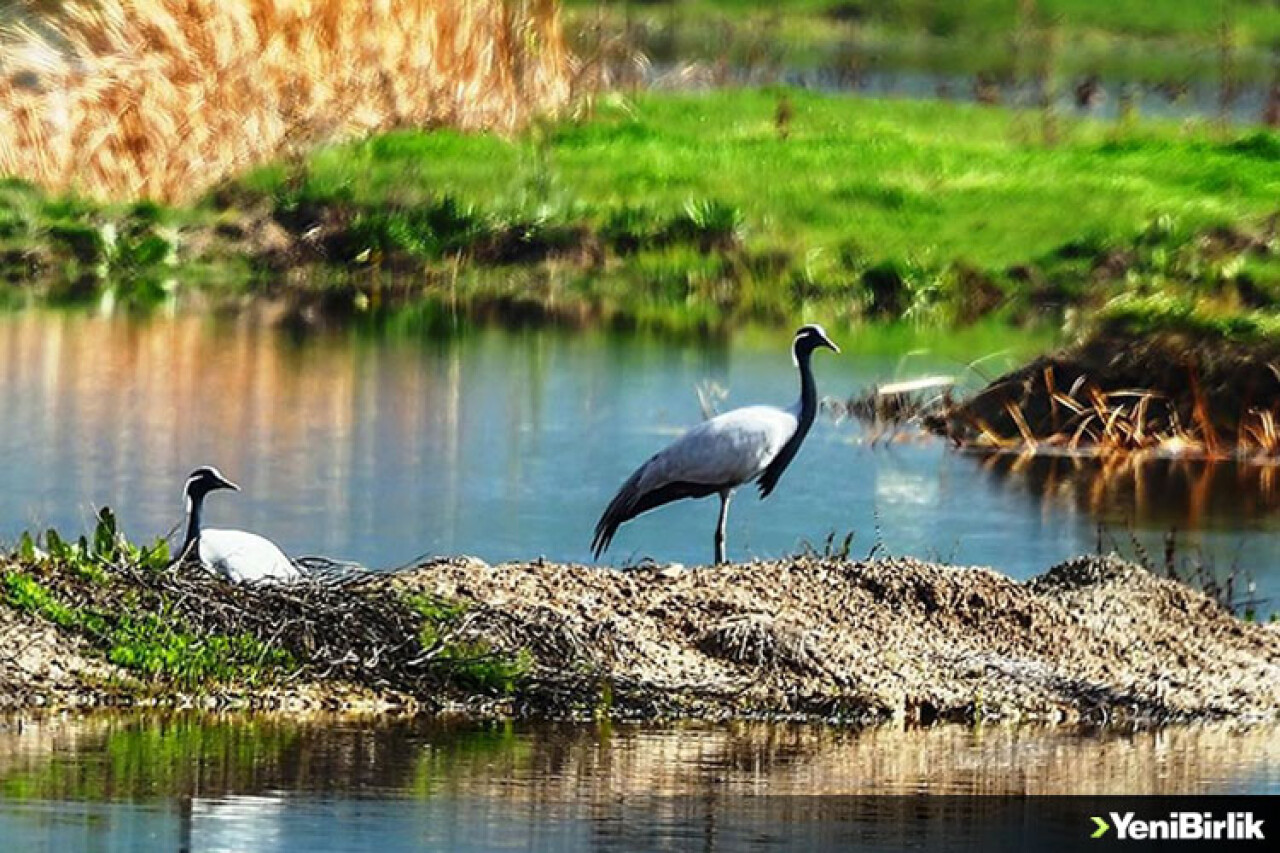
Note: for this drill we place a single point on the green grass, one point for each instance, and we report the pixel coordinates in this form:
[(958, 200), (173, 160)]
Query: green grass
[(28, 595), (153, 645), (886, 209), (1161, 46), (151, 642), (472, 664), (692, 213), (1144, 315), (891, 179), (134, 609)]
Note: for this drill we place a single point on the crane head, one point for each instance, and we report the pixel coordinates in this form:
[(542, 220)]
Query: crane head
[(809, 338), (207, 479)]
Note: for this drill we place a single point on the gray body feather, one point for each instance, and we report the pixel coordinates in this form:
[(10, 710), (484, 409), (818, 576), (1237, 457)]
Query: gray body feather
[(755, 443)]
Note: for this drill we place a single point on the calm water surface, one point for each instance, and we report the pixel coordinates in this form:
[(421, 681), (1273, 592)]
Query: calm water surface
[(508, 445), (192, 783)]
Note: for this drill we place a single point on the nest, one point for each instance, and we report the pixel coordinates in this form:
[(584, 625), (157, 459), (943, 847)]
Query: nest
[(348, 625)]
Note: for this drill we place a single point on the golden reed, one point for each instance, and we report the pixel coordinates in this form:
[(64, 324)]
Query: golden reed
[(160, 99)]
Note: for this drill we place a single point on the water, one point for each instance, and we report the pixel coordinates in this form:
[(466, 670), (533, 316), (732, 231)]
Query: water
[(203, 783), (1194, 100), (1108, 80), (506, 446)]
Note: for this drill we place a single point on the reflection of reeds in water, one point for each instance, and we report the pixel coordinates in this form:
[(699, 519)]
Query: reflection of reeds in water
[(161, 98), (1181, 493), (1141, 492), (887, 410), (599, 767), (149, 400)]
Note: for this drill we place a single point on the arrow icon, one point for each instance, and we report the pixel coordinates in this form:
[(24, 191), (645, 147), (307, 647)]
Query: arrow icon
[(1103, 826)]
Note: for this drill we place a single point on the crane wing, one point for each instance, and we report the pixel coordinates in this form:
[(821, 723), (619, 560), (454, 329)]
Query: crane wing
[(725, 451), (241, 556), (721, 453)]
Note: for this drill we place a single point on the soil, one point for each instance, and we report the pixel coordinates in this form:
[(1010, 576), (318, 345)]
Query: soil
[(1092, 640), (43, 667), (39, 664)]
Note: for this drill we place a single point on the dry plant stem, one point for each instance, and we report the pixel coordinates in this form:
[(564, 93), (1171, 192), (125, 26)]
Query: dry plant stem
[(1121, 421), (162, 98)]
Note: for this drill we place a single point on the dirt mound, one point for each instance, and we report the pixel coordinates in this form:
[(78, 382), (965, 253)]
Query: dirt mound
[(1092, 639), (37, 662)]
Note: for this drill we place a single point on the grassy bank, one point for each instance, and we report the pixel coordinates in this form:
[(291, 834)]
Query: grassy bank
[(706, 211), (135, 626), (1254, 19)]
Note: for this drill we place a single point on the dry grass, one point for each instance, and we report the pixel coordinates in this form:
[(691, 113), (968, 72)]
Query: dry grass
[(162, 98), (756, 639), (864, 640), (1086, 418)]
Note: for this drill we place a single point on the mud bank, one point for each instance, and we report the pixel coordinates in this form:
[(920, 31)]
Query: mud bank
[(1094, 639)]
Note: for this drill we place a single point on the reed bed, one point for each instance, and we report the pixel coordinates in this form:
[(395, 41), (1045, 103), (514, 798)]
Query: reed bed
[(160, 99)]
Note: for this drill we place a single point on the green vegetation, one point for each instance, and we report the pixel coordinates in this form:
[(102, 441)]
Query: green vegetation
[(1255, 20), (154, 643), (178, 626), (694, 212), (883, 180), (472, 663), (28, 595), (151, 644), (80, 249), (1141, 316)]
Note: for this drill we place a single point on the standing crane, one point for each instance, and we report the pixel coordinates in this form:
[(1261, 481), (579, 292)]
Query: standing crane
[(237, 555), (718, 455)]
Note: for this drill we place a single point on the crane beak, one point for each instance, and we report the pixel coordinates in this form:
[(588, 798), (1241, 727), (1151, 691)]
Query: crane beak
[(830, 344), (227, 484)]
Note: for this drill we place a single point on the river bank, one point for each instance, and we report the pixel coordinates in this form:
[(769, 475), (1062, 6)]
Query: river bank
[(1181, 386), (655, 213), (1092, 640)]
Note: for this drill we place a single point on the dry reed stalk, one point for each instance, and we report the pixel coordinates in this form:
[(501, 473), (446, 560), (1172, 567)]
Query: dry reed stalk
[(1024, 430), (1121, 424), (1200, 410), (1259, 433), (163, 98)]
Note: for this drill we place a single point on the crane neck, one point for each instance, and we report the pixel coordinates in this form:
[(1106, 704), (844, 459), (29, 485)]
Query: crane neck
[(807, 409), (195, 509), (808, 389)]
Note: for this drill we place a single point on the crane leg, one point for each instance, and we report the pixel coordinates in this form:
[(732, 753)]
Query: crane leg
[(720, 525)]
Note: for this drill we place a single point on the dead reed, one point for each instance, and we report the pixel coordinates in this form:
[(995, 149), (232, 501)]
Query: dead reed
[(1088, 419), (162, 98)]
